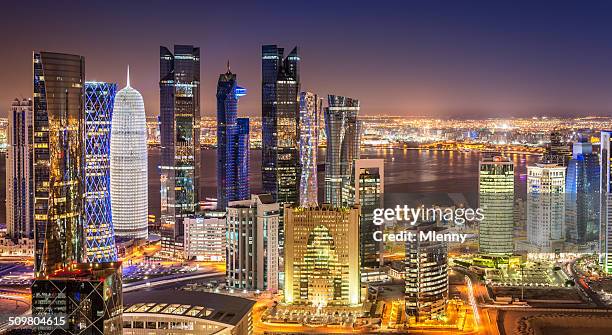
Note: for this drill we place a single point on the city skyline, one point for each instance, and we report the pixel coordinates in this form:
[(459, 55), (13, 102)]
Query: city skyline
[(519, 59)]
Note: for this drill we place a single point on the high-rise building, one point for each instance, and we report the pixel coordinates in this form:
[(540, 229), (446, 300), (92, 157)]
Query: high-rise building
[(582, 194), (280, 118), (558, 152), (343, 143), (128, 165), (19, 188), (232, 143), (179, 85), (426, 274), (545, 207), (58, 155), (205, 237), (252, 243), (322, 256), (605, 233), (310, 114), (88, 298), (496, 197), (366, 188), (99, 232)]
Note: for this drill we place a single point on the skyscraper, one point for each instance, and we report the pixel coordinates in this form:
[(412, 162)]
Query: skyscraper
[(280, 118), (343, 142), (557, 152), (605, 233), (366, 188), (128, 165), (232, 143), (496, 197), (179, 85), (322, 258), (426, 267), (310, 113), (252, 243), (19, 190), (99, 232), (582, 195), (59, 81)]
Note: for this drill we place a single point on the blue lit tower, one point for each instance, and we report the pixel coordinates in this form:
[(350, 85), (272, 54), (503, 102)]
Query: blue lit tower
[(99, 232), (232, 156)]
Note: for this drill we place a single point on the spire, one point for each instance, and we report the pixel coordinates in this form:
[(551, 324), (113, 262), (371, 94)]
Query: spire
[(128, 76), (228, 67)]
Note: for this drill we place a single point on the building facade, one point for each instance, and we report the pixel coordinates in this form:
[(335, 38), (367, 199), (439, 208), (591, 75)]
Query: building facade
[(310, 115), (496, 199), (322, 256), (367, 188), (605, 190), (59, 81), (343, 143), (99, 232), (426, 275), (179, 85), (232, 143), (19, 188), (252, 244), (128, 165), (205, 237)]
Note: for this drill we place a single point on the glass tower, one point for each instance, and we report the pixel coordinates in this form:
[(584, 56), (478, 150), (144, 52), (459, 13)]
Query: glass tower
[(19, 196), (99, 232), (128, 165), (343, 142), (58, 160), (179, 85), (605, 234), (232, 137), (310, 114), (280, 118)]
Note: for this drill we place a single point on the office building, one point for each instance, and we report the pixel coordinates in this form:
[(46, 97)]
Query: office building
[(88, 297), (322, 256), (605, 234), (582, 195), (252, 244), (426, 275), (343, 143), (310, 115), (179, 86), (545, 207), (99, 233), (58, 154), (205, 237), (232, 143), (19, 188), (367, 188), (558, 152), (170, 311), (496, 199), (280, 118), (128, 165)]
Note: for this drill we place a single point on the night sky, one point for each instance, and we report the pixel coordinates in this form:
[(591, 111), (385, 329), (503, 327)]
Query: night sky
[(413, 58)]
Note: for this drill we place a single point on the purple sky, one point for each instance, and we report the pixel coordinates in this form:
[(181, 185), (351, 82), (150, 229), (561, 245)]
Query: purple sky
[(414, 58)]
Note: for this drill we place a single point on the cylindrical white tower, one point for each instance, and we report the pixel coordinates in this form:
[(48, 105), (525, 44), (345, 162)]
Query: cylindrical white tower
[(128, 164)]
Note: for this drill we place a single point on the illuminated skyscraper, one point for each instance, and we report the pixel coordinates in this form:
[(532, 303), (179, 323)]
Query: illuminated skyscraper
[(343, 142), (545, 207), (252, 244), (322, 258), (59, 126), (232, 150), (280, 118), (99, 232), (366, 188), (605, 234), (496, 196), (426, 268), (310, 113), (179, 85), (128, 165), (19, 190)]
